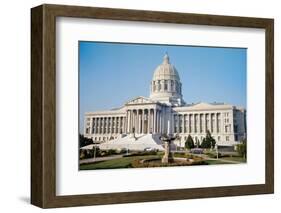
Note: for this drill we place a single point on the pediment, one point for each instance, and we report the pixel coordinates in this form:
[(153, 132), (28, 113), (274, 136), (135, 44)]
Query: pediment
[(140, 100), (203, 106)]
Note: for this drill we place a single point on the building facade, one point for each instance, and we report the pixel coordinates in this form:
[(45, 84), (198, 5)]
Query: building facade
[(165, 112)]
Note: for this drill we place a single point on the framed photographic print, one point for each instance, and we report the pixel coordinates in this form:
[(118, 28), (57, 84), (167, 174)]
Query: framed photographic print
[(136, 106)]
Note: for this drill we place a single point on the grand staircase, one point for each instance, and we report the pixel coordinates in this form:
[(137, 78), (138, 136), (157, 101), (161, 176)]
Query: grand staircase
[(137, 142)]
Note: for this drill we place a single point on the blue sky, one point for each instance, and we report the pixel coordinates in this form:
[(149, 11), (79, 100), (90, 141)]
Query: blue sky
[(112, 73)]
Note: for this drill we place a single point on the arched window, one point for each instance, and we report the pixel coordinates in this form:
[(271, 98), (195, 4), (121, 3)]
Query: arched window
[(165, 85)]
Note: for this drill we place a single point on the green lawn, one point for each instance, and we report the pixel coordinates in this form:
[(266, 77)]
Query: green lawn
[(215, 162), (124, 162), (238, 159)]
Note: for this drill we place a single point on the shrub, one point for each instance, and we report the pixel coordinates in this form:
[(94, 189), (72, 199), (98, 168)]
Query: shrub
[(189, 144), (242, 149)]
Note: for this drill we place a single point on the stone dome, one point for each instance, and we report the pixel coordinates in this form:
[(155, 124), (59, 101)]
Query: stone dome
[(166, 71), (166, 85)]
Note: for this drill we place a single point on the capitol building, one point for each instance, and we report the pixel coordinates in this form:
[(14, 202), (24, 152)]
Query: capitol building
[(165, 112)]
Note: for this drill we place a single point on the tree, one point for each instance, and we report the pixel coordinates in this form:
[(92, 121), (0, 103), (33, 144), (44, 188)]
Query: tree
[(208, 142), (83, 141), (189, 143), (242, 148)]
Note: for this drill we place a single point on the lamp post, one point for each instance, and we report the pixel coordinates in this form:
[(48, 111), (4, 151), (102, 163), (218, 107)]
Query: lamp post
[(217, 150), (95, 153)]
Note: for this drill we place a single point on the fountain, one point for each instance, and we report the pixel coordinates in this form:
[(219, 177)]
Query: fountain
[(168, 158), (168, 155)]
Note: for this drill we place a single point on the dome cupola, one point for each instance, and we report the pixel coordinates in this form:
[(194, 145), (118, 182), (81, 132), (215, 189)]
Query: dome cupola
[(165, 85)]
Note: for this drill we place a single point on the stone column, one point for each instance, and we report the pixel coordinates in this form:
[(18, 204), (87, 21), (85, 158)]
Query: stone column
[(203, 123), (154, 121), (92, 130), (131, 120), (108, 125), (189, 123), (142, 122), (172, 127), (116, 125), (181, 123), (109, 121), (162, 85), (95, 128), (185, 123), (125, 122), (159, 121), (210, 122), (148, 121), (98, 125), (112, 125), (216, 122), (177, 124), (104, 127), (91, 125), (169, 85), (200, 123), (120, 125), (137, 122), (128, 122), (195, 123)]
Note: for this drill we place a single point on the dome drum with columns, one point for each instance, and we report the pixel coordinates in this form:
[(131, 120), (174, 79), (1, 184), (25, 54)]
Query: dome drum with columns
[(165, 85), (165, 112)]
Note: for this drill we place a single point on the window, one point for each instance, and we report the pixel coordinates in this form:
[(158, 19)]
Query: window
[(154, 86), (219, 138), (165, 85), (227, 138), (159, 85)]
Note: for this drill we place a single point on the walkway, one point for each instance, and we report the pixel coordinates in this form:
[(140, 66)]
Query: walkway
[(98, 159)]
